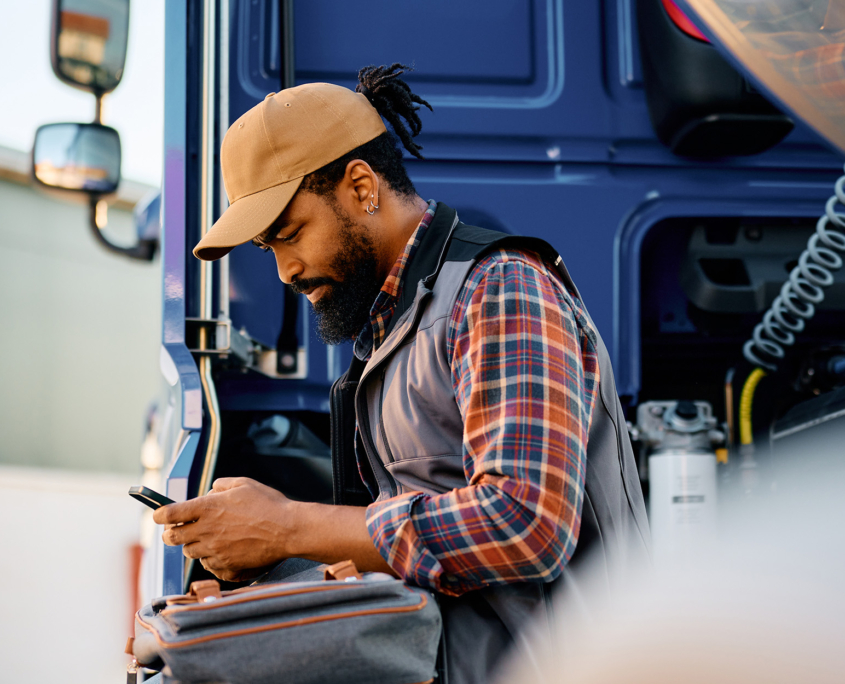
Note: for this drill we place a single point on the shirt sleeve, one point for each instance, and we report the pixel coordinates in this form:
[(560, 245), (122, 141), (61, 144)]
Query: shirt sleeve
[(524, 376)]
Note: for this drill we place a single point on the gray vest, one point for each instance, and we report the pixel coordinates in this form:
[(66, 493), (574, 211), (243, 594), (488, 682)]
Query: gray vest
[(412, 434)]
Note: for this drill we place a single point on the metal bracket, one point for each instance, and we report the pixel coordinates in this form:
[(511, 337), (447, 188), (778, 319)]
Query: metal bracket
[(251, 353)]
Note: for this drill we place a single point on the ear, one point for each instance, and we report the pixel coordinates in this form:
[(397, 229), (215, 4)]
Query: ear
[(361, 184)]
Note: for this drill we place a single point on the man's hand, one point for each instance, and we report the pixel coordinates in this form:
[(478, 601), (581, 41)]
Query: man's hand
[(237, 530), (242, 528)]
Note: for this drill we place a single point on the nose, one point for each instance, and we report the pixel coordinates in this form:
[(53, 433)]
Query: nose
[(288, 266)]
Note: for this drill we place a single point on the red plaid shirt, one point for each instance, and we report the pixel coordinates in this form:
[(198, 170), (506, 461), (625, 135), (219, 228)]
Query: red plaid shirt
[(525, 372)]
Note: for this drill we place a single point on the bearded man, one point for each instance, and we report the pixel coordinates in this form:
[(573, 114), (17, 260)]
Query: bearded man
[(482, 446)]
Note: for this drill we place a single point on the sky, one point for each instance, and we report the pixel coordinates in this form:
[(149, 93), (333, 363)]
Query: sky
[(32, 95)]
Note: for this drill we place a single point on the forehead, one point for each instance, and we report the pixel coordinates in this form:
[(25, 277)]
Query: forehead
[(304, 206)]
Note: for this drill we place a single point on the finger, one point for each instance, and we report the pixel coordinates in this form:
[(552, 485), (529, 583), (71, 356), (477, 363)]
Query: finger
[(176, 535), (225, 483), (173, 514), (194, 550), (218, 572)]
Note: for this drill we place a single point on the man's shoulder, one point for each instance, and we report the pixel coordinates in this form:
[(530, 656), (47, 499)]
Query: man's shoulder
[(520, 273), (499, 258), (487, 247)]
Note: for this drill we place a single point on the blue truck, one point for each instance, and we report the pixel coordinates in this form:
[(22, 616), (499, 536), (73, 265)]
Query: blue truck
[(678, 172)]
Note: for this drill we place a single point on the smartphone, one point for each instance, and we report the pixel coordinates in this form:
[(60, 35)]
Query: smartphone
[(149, 497)]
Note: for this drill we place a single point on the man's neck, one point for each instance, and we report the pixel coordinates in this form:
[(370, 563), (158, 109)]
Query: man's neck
[(400, 220)]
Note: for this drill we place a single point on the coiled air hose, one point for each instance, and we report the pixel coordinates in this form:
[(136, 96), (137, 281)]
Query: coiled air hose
[(796, 304), (804, 290)]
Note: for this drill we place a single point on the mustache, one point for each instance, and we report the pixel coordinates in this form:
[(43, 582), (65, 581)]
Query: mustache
[(301, 286)]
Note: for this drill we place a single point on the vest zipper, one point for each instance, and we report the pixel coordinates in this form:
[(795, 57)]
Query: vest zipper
[(381, 419), (361, 410), (336, 441), (363, 415), (372, 453)]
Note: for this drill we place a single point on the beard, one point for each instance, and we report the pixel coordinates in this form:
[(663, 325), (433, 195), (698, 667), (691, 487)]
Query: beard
[(344, 308)]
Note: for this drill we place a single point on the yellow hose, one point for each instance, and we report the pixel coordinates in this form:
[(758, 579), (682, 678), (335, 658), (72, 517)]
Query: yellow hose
[(746, 400)]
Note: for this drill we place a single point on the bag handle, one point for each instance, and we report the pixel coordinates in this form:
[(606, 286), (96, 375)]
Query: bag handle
[(342, 571), (205, 591)]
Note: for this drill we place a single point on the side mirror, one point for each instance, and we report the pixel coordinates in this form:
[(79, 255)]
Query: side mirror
[(88, 43), (73, 156), (148, 222), (86, 158)]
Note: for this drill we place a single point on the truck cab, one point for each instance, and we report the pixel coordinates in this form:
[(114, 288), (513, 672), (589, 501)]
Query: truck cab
[(678, 155)]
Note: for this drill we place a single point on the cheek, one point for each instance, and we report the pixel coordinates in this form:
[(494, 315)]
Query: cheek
[(321, 257)]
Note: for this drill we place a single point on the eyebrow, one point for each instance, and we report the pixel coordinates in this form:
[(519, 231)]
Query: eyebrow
[(270, 234)]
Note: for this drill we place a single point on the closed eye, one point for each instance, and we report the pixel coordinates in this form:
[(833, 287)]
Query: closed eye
[(290, 237), (265, 247)]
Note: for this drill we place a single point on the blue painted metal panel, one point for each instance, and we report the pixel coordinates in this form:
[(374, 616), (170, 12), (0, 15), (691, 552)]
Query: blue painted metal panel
[(177, 489), (174, 244), (178, 364), (256, 298), (503, 22)]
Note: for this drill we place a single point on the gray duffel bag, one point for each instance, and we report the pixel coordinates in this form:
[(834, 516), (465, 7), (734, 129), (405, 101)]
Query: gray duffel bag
[(368, 628)]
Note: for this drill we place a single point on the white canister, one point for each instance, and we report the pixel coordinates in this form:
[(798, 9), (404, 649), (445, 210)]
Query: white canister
[(682, 505)]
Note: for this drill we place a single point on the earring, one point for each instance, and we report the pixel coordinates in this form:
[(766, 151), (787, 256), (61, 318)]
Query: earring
[(372, 208)]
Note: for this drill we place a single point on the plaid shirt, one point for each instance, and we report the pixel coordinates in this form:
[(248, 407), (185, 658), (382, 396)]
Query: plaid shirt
[(373, 334), (525, 372)]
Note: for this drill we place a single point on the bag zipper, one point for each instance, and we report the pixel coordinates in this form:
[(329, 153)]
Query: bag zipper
[(182, 603), (423, 602)]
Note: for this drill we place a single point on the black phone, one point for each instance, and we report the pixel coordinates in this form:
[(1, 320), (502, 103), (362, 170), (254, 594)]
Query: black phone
[(149, 497)]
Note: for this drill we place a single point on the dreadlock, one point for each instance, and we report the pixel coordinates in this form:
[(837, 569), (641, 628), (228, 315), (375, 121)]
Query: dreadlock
[(394, 101), (392, 98)]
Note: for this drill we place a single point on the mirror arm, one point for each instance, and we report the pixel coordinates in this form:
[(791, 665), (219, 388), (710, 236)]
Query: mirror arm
[(98, 108), (144, 251)]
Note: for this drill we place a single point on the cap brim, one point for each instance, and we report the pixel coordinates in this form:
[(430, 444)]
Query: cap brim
[(245, 219)]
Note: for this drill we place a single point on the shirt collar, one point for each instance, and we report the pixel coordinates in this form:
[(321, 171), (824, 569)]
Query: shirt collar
[(382, 310)]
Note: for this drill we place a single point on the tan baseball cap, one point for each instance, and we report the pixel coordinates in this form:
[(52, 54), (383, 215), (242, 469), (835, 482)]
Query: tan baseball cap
[(266, 153)]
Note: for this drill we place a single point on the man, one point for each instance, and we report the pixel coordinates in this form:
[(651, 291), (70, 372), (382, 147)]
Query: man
[(480, 432)]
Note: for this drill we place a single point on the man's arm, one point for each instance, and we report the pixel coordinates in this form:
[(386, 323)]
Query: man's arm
[(243, 526), (525, 375)]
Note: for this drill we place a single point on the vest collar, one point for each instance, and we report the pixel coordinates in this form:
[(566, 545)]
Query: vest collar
[(419, 280), (427, 260)]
